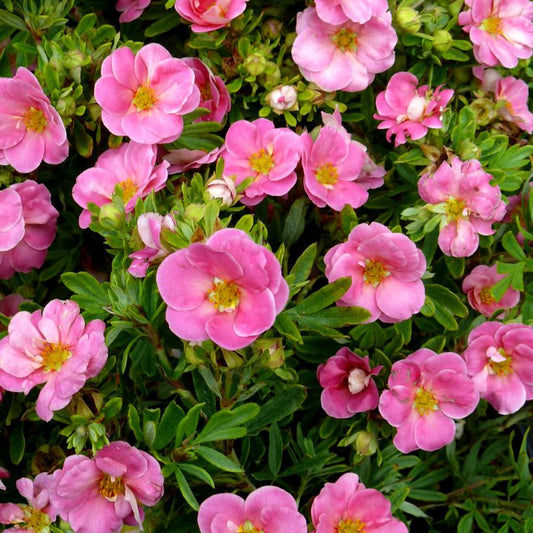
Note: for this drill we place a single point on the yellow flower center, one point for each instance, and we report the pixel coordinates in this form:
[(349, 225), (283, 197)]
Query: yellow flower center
[(144, 98), (345, 40), (224, 296), (374, 273), (454, 209), (35, 520), (248, 527), (34, 120), (425, 402), (261, 161), (111, 487), (486, 297), (327, 174), (54, 355), (492, 25), (350, 526), (504, 367), (129, 188)]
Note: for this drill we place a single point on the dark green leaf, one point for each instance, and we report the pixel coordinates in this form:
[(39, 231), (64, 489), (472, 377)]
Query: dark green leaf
[(322, 298), (217, 459)]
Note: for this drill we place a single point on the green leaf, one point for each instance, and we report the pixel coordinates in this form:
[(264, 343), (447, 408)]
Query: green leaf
[(413, 510), (134, 422), (304, 264), (225, 424), (444, 297), (187, 425), (456, 266), (217, 459), (198, 472), (510, 243), (185, 489), (335, 317), (162, 25), (17, 444), (149, 432), (87, 22), (89, 293), (166, 430), (286, 327), (112, 408), (322, 298), (295, 222), (275, 449), (466, 523), (210, 380), (12, 20)]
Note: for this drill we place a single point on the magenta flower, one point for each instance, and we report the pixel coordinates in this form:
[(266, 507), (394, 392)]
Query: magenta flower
[(209, 15), (347, 506), (467, 202), (265, 153), (27, 227), (427, 391), (144, 95), (131, 166), (407, 111), (3, 475), (386, 270), (183, 159), (131, 9), (343, 56), (99, 495), (31, 129), (228, 289), (55, 347), (348, 385), (339, 11), (149, 226), (500, 30), (477, 286), (499, 358), (266, 510)]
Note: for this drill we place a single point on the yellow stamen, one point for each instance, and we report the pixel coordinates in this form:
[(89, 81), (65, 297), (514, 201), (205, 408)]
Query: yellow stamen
[(261, 162), (34, 520), (144, 98), (492, 25), (111, 487), (54, 355), (374, 273), (327, 174), (350, 526), (345, 40), (129, 188), (425, 402), (34, 120), (454, 209), (248, 527), (502, 368), (486, 297), (224, 295)]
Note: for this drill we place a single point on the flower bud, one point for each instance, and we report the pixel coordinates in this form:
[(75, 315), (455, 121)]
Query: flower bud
[(271, 28), (110, 216), (195, 212), (365, 443), (442, 40), (255, 64), (283, 98), (408, 19), (275, 353), (223, 188), (484, 110)]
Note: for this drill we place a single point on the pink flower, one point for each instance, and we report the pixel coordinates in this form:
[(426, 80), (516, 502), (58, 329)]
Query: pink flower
[(265, 153), (150, 226), (3, 474), (9, 305), (348, 385), (339, 11), (27, 227), (407, 111), (183, 159), (144, 95), (427, 391), (99, 495), (223, 188), (131, 166), (213, 93), (228, 289), (131, 9), (343, 56), (468, 204), (55, 347), (477, 286), (31, 129), (499, 358), (347, 505), (267, 509), (386, 270), (500, 30), (209, 15)]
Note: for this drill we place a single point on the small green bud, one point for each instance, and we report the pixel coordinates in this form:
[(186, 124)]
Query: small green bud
[(408, 19), (275, 355), (484, 110), (365, 443), (110, 216), (195, 212), (255, 64), (271, 28), (442, 41)]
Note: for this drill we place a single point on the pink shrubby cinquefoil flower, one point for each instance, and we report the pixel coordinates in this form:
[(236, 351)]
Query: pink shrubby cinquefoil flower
[(477, 286), (144, 95), (209, 15), (183, 159), (348, 384), (31, 130), (347, 506), (427, 391), (3, 475), (55, 347), (130, 166), (228, 289), (265, 153), (469, 204), (500, 30), (38, 514), (267, 510), (131, 9), (386, 270), (407, 111), (27, 227), (499, 358), (343, 56), (101, 494), (339, 11)]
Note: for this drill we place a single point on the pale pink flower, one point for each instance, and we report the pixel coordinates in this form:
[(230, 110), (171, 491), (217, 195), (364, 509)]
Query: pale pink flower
[(228, 289), (347, 505), (339, 11), (468, 203), (499, 358), (343, 56), (132, 166), (267, 509), (209, 15), (131, 9), (38, 514), (477, 286), (213, 93), (265, 153), (3, 474), (386, 270), (27, 227), (348, 384), (150, 226), (223, 188), (31, 130), (427, 392), (283, 98), (99, 495), (55, 347), (500, 30), (183, 159), (407, 111), (144, 95)]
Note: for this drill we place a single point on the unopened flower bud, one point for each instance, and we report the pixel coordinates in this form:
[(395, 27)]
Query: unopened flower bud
[(365, 443), (255, 64), (442, 40), (484, 110), (408, 19), (274, 348), (271, 28), (74, 58), (283, 98), (223, 188), (358, 379), (110, 215), (195, 211)]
